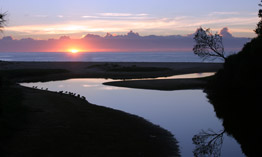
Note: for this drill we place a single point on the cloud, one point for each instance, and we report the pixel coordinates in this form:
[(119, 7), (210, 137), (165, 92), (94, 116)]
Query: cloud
[(129, 42), (122, 14), (143, 14), (7, 38), (64, 38), (40, 16), (223, 13), (225, 33), (60, 16), (115, 14), (87, 16), (144, 23)]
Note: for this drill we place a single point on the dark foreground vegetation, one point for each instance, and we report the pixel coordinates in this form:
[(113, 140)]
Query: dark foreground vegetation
[(234, 92), (12, 112)]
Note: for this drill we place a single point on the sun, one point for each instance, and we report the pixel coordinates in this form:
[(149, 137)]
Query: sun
[(74, 50)]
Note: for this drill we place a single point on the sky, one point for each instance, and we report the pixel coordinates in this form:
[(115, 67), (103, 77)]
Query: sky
[(45, 19)]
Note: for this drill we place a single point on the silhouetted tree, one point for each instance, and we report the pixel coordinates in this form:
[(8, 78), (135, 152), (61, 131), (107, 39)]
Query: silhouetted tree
[(259, 24), (208, 143), (208, 44), (2, 20)]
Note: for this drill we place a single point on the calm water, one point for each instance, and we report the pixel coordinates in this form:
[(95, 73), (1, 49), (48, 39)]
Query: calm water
[(184, 112), (104, 56)]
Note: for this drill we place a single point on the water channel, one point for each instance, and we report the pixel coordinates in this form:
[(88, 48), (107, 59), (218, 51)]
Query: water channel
[(184, 112)]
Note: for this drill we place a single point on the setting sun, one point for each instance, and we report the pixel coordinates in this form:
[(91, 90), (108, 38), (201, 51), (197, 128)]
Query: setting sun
[(74, 50)]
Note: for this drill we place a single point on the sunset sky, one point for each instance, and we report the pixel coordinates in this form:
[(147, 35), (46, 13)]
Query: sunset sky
[(44, 19)]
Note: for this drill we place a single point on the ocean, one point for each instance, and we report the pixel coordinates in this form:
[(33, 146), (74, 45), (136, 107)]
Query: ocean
[(104, 57)]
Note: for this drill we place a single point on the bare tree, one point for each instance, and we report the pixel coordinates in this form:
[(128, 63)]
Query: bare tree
[(208, 143), (2, 20), (208, 44)]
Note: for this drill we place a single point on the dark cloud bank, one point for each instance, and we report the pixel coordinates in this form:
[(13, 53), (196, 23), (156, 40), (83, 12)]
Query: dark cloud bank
[(131, 42)]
